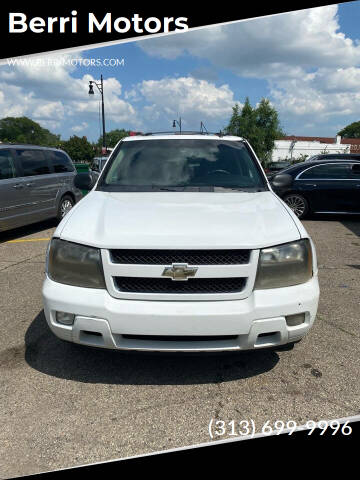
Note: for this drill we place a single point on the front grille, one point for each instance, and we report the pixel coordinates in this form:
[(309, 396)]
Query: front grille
[(192, 286), (181, 338), (191, 257)]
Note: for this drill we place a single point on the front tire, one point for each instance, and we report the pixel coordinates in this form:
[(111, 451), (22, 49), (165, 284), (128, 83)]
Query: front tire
[(65, 205), (298, 204)]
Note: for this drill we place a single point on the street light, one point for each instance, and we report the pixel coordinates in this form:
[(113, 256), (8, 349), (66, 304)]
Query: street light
[(100, 87), (177, 122), (203, 128)]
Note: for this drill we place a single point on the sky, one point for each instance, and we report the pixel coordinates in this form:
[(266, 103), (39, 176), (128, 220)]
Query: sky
[(306, 62)]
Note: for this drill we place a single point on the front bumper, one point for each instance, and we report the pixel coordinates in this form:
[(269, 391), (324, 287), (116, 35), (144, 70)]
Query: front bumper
[(255, 322)]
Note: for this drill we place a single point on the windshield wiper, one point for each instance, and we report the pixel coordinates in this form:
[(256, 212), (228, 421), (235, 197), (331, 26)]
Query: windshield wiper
[(238, 189), (177, 188), (174, 188)]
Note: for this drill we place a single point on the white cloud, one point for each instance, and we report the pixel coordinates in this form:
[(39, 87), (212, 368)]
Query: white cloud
[(312, 70), (22, 100), (117, 109), (266, 47), (44, 89), (319, 94), (193, 99), (49, 110), (80, 128), (339, 80), (310, 65), (53, 97)]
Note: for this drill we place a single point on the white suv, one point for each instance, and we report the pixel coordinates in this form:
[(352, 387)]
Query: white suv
[(181, 246)]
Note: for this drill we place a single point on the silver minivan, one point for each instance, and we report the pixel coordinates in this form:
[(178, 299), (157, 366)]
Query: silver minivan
[(36, 183)]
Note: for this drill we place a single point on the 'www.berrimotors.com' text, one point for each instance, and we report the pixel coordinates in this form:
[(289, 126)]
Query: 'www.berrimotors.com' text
[(74, 62)]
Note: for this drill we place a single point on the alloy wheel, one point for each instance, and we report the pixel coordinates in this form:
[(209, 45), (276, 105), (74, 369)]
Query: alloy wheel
[(66, 206), (297, 204)]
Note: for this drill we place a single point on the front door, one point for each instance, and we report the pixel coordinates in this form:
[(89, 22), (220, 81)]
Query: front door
[(331, 187)]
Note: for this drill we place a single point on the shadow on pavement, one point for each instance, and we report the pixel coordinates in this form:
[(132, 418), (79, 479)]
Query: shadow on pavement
[(353, 225), (27, 230), (47, 354), (351, 222)]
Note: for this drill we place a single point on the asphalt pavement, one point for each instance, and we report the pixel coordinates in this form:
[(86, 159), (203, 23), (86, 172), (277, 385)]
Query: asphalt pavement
[(63, 405)]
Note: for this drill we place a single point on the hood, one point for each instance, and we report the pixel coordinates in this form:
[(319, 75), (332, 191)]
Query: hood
[(184, 220)]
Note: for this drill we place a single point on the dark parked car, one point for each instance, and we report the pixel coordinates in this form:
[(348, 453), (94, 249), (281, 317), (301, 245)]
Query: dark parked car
[(275, 167), (36, 183), (333, 156), (320, 187)]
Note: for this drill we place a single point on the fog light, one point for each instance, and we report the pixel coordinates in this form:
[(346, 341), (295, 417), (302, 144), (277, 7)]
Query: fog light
[(293, 320), (65, 318)]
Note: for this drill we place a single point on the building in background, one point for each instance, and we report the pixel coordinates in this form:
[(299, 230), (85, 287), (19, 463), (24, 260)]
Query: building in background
[(298, 148)]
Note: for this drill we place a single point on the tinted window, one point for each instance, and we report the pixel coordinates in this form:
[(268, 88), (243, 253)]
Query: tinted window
[(60, 161), (355, 171), (7, 167), (33, 162), (183, 163), (328, 172)]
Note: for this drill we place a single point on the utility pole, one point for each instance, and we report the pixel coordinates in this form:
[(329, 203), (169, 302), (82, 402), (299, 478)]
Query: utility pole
[(100, 87)]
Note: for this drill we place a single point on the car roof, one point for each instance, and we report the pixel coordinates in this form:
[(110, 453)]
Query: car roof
[(330, 160), (29, 146), (336, 155), (300, 165), (182, 136)]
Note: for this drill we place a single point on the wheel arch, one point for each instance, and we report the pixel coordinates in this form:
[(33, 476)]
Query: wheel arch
[(294, 191), (69, 194)]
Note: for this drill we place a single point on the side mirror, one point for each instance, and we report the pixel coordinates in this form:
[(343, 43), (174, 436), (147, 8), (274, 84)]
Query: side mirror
[(356, 168), (84, 181), (282, 180)]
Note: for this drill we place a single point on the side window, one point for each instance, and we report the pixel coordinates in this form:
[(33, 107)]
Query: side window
[(33, 162), (355, 171), (329, 171), (60, 161), (7, 167)]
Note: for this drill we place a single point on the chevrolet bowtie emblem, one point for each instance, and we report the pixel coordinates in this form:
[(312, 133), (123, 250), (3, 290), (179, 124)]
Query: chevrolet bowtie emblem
[(179, 271)]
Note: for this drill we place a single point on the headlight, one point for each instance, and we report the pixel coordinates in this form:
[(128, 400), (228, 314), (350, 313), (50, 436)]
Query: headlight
[(75, 264), (284, 265)]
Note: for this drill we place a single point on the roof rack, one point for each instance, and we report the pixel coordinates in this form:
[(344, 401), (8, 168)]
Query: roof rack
[(185, 132)]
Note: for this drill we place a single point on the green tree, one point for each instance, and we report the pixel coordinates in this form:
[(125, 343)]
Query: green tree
[(113, 137), (234, 123), (351, 131), (267, 121), (259, 125), (79, 149), (25, 130)]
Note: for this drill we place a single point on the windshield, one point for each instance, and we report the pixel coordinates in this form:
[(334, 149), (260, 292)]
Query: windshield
[(182, 164)]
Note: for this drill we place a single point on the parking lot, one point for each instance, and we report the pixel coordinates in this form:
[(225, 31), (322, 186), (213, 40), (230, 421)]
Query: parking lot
[(64, 405)]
